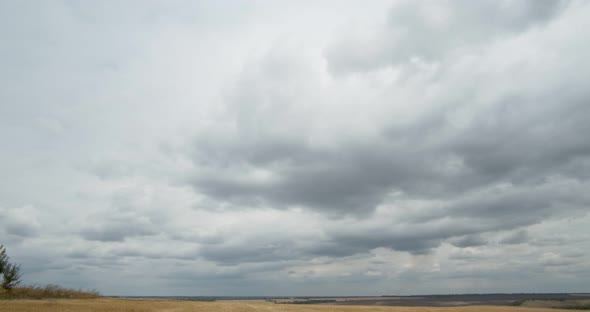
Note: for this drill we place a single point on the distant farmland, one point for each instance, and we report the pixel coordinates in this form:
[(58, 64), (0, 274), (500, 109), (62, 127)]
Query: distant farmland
[(158, 305)]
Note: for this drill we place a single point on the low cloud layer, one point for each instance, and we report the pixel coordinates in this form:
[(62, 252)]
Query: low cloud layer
[(204, 149)]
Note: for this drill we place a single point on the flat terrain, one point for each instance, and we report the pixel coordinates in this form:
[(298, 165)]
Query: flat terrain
[(149, 305), (527, 300)]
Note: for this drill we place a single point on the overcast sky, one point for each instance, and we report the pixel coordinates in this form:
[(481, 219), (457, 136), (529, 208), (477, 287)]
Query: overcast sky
[(296, 147)]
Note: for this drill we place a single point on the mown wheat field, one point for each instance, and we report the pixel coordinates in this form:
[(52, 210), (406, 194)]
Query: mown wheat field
[(128, 305)]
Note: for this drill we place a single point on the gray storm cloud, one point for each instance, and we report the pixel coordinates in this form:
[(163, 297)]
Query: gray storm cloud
[(383, 148)]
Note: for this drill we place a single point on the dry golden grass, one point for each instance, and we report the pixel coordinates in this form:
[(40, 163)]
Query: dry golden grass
[(47, 292), (132, 305)]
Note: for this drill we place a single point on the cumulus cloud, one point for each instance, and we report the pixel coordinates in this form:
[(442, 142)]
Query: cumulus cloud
[(19, 223), (430, 31), (241, 151), (515, 238), (480, 157), (114, 230)]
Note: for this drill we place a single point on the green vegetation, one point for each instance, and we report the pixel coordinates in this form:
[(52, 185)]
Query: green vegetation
[(11, 275)]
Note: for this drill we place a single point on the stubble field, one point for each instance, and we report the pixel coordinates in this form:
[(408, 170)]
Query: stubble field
[(129, 305)]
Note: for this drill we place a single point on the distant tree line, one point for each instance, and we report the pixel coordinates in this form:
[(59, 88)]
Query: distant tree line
[(11, 275)]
